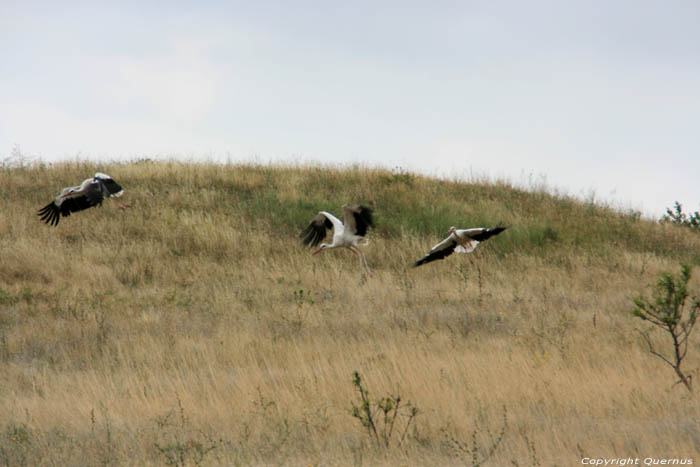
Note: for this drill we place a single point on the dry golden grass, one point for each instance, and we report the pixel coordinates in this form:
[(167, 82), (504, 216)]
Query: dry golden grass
[(174, 330)]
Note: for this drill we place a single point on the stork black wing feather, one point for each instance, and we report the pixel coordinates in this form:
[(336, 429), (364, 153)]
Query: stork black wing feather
[(79, 203), (316, 231), (438, 254), (308, 235), (93, 195), (363, 220), (312, 235), (49, 214), (111, 186), (488, 233)]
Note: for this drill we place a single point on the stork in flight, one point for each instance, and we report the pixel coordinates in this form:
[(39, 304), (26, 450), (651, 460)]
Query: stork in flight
[(459, 240), (357, 220), (73, 199)]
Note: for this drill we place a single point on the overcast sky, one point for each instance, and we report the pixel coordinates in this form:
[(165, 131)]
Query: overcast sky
[(595, 97)]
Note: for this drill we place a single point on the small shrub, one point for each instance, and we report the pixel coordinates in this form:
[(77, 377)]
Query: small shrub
[(671, 310), (479, 454), (180, 445), (677, 216), (379, 417)]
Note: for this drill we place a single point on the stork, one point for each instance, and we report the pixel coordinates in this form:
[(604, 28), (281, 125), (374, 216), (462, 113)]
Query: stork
[(347, 235), (459, 240), (77, 198)]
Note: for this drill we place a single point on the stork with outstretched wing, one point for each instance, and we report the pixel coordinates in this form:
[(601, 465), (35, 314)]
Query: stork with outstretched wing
[(345, 234), (88, 194), (460, 241)]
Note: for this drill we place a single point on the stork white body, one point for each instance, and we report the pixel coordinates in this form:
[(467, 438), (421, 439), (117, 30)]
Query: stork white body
[(345, 235)]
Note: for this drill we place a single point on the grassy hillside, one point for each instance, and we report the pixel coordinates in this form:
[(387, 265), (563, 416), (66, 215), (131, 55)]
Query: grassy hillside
[(184, 323)]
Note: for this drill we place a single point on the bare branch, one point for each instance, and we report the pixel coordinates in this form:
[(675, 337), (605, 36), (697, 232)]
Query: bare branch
[(651, 348)]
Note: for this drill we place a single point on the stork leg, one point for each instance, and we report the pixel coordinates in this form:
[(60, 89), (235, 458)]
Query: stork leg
[(364, 261), (359, 257), (356, 252)]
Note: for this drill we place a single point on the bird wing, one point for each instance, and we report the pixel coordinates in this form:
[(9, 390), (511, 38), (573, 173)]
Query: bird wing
[(51, 212), (440, 251), (483, 234), (108, 186), (316, 230), (357, 219), (86, 195), (92, 197)]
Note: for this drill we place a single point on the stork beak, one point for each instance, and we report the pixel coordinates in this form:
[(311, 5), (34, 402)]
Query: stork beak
[(317, 252)]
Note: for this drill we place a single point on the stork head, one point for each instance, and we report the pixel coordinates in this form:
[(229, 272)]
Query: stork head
[(322, 247), (452, 229)]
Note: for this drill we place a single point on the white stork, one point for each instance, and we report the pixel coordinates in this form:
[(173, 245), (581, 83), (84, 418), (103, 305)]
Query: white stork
[(357, 220), (459, 240), (73, 199)]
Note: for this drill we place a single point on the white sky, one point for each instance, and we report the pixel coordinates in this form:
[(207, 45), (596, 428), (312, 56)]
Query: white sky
[(595, 97)]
